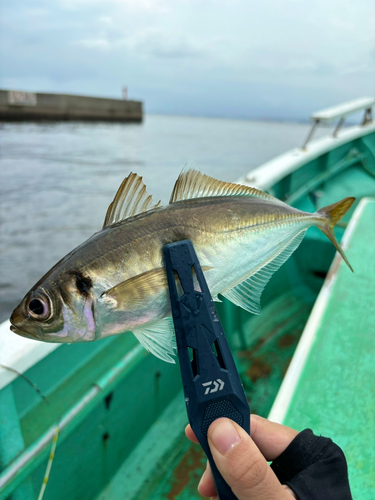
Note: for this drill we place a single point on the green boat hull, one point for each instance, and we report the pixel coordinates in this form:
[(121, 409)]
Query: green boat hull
[(121, 411)]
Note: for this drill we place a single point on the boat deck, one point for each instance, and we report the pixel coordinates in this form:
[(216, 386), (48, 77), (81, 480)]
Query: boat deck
[(330, 384)]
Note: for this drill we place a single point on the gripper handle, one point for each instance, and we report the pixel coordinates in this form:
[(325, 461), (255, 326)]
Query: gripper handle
[(210, 379)]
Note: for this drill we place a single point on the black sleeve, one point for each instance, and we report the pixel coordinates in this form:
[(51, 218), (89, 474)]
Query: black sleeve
[(314, 468)]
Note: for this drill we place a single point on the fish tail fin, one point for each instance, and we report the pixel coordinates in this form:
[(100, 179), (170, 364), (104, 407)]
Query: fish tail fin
[(332, 214)]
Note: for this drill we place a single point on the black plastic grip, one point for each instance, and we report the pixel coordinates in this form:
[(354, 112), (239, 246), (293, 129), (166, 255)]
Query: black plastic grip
[(211, 382)]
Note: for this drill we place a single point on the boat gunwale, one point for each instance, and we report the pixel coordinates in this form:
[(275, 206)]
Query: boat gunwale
[(271, 172)]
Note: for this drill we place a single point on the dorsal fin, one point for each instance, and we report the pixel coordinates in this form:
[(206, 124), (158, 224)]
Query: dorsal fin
[(131, 199), (193, 184)]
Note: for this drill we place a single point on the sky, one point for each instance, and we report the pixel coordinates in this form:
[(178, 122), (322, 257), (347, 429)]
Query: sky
[(272, 59)]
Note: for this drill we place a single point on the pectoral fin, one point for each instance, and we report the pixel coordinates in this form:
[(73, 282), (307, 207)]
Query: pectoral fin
[(158, 338), (137, 289), (135, 293)]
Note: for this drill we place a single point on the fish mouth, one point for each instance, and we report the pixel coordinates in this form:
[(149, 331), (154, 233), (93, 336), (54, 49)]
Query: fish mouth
[(17, 322), (22, 333)]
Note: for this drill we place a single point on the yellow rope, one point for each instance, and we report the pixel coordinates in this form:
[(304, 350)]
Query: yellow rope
[(49, 464)]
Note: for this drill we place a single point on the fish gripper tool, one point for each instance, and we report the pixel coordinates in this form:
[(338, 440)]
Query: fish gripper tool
[(210, 379)]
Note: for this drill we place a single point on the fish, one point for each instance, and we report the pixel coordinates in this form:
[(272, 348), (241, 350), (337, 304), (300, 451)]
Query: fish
[(116, 282)]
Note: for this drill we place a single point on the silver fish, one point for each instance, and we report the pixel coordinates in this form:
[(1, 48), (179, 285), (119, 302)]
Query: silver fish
[(116, 282)]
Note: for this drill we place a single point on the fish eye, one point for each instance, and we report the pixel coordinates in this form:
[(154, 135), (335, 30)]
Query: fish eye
[(38, 308)]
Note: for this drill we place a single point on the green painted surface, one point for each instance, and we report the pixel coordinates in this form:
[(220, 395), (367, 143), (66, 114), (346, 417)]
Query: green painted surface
[(129, 442), (153, 458), (335, 395), (78, 378), (11, 441), (61, 366), (90, 455)]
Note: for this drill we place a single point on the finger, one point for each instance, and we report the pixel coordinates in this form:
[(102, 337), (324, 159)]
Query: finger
[(206, 486), (241, 463), (190, 434), (291, 493), (271, 438)]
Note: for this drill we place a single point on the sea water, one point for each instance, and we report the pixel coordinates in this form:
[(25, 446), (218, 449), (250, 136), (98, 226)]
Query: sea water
[(58, 178)]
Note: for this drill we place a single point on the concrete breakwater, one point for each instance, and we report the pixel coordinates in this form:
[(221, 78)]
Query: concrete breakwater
[(17, 105)]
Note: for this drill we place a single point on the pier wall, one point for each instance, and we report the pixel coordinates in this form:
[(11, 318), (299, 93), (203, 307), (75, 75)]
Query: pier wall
[(16, 105)]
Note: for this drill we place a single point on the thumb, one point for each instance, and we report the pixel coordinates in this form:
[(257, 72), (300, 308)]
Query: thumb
[(241, 463)]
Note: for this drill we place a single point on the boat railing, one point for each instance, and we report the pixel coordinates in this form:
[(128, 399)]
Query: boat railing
[(341, 112)]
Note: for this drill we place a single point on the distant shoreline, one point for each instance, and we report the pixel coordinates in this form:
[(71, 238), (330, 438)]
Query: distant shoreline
[(18, 105)]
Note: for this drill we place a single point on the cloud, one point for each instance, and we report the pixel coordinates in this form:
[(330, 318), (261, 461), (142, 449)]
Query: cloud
[(362, 69), (150, 43), (161, 46), (128, 5), (223, 57), (94, 43)]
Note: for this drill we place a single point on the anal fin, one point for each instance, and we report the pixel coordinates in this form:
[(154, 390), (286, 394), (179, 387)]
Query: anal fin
[(247, 294)]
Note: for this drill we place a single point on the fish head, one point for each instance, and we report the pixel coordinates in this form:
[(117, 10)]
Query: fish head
[(57, 309)]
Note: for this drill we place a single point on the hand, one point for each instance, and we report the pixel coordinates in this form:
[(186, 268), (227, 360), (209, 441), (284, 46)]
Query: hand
[(242, 460)]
